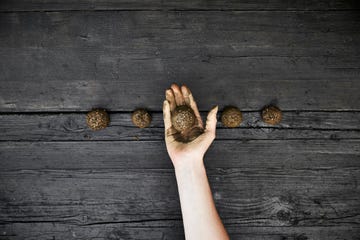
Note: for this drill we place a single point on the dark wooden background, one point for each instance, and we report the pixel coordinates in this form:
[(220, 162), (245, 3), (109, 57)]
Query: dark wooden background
[(58, 59)]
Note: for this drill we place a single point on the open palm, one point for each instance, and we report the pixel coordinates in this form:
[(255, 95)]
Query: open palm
[(193, 143)]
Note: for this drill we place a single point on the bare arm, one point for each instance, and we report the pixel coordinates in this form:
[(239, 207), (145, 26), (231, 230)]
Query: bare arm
[(201, 220)]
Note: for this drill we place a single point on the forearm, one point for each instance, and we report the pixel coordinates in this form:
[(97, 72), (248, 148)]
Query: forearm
[(201, 220)]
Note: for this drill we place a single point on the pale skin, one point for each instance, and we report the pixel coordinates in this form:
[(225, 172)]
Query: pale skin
[(200, 217)]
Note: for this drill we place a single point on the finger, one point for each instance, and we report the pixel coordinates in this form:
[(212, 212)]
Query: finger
[(209, 135), (211, 121), (167, 122), (166, 115), (194, 107), (179, 99), (170, 98), (186, 92), (171, 131)]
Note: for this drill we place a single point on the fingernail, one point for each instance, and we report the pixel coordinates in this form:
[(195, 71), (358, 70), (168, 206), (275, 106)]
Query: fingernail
[(216, 106)]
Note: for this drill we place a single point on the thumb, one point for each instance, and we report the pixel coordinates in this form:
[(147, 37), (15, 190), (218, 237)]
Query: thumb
[(209, 134), (211, 121)]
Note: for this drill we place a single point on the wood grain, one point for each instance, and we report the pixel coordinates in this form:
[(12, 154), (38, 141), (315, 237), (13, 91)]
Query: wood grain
[(289, 154), (244, 197), (166, 230), (251, 197), (72, 126), (37, 5), (73, 61), (294, 181)]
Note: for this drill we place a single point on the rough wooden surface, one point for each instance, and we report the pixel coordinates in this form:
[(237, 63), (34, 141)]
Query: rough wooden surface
[(72, 126), (151, 194), (73, 61), (255, 183), (171, 229), (300, 154), (41, 5), (59, 59)]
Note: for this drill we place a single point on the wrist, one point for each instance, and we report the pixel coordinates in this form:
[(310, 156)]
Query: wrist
[(190, 164)]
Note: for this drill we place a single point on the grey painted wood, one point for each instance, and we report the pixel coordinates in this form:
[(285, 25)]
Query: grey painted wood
[(298, 180), (254, 197), (92, 155), (167, 230), (244, 197), (72, 126), (71, 61), (37, 5)]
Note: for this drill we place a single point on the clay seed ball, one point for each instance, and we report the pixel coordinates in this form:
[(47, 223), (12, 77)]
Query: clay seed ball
[(183, 118), (97, 119), (141, 118), (231, 117), (271, 115)]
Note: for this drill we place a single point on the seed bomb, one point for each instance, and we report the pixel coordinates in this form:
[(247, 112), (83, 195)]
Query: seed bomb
[(231, 117), (271, 115), (97, 119), (183, 118), (141, 118)]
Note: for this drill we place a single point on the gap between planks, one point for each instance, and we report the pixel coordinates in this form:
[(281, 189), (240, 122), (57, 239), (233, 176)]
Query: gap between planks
[(182, 10)]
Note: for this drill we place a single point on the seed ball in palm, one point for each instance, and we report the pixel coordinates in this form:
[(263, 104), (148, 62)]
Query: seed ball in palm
[(271, 115), (141, 118), (231, 117), (97, 119), (183, 118)]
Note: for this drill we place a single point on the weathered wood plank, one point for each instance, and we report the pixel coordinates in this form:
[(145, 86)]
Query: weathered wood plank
[(167, 230), (253, 197), (38, 5), (147, 34), (72, 126), (299, 154), (64, 61)]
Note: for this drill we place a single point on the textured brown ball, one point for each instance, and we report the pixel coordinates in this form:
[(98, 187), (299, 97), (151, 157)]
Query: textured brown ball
[(271, 115), (183, 118), (231, 117), (97, 119), (141, 118)]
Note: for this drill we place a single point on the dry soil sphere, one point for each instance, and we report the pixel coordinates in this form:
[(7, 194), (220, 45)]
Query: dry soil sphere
[(271, 115), (141, 118), (97, 119), (183, 118), (231, 117)]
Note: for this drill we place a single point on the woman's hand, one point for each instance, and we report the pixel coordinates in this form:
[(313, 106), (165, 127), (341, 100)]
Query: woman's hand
[(185, 153), (201, 220)]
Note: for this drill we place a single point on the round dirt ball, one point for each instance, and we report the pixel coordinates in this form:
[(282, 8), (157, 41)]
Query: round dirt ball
[(271, 115), (183, 118), (97, 119), (231, 117), (141, 118)]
